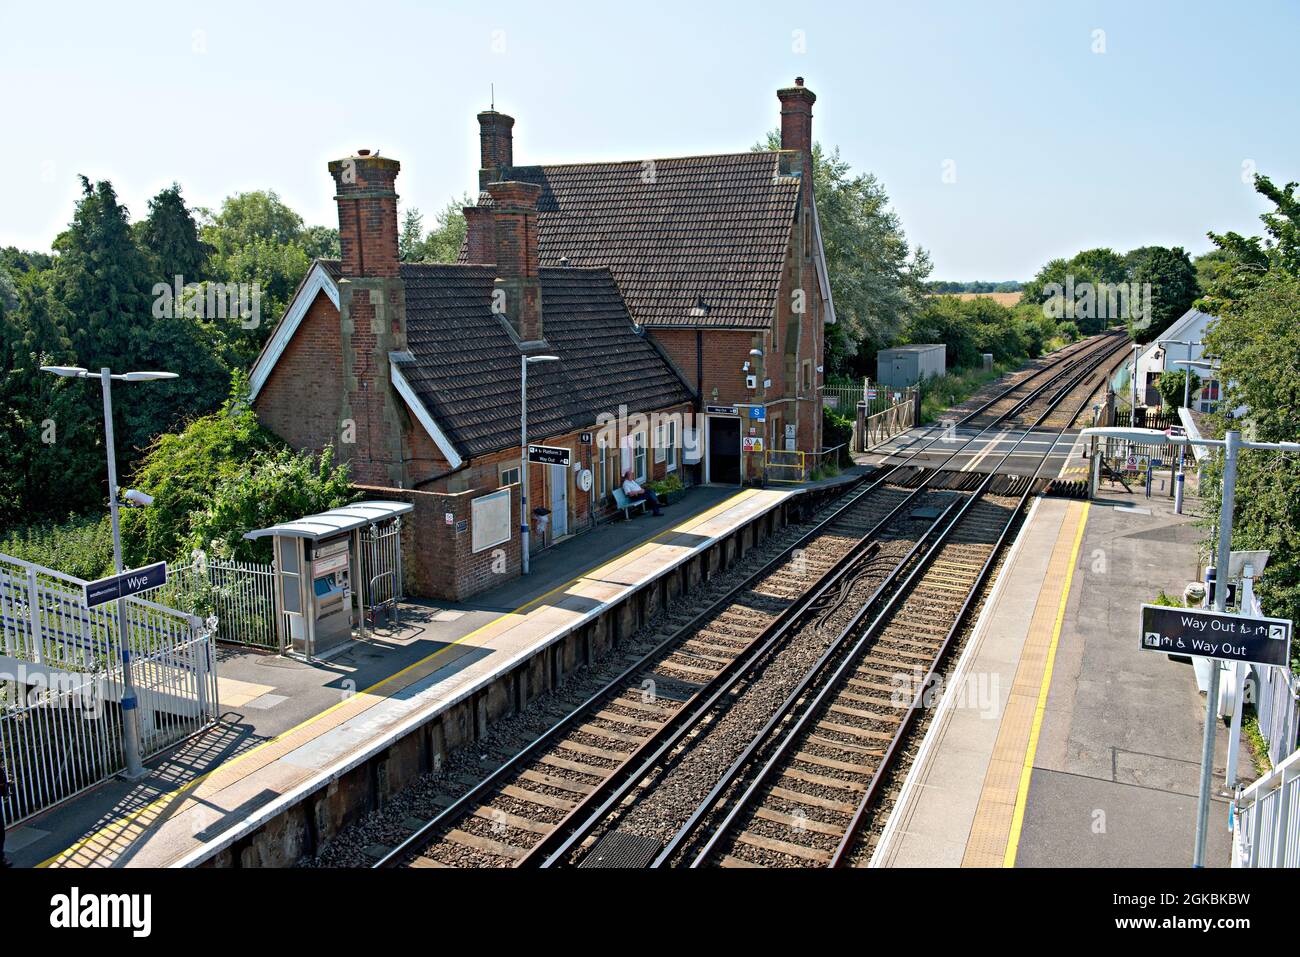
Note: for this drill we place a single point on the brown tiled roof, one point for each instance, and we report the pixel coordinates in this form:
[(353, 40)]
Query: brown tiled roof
[(700, 243), (466, 366)]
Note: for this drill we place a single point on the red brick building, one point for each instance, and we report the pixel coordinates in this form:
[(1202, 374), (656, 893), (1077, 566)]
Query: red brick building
[(412, 372), (719, 258)]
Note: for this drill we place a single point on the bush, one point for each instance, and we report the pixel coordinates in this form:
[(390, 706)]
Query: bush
[(183, 470), (836, 430), (82, 546), (272, 488), (670, 483)]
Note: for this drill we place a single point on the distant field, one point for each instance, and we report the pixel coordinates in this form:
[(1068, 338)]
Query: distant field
[(1001, 298)]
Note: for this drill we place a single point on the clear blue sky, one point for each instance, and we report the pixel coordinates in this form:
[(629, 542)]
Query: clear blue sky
[(1055, 147)]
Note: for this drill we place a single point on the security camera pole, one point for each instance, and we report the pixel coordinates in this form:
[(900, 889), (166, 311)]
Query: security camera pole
[(130, 706), (1230, 443)]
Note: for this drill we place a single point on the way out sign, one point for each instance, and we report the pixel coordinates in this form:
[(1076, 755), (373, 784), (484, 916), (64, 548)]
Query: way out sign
[(548, 455), (1212, 634), (127, 583)]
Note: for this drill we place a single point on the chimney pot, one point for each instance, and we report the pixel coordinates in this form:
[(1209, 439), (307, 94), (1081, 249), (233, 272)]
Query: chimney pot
[(496, 146), (367, 201)]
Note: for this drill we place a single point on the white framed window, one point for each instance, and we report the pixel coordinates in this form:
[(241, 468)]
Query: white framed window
[(674, 454), (603, 458), (509, 474), (660, 450), (639, 456)]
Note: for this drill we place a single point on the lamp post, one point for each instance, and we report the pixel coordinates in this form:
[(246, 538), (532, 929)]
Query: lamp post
[(524, 362), (130, 717), (1230, 443), (1187, 364)]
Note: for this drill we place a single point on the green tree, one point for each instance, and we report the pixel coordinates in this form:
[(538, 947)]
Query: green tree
[(321, 242), (442, 243), (877, 278), (1173, 290), (170, 238), (103, 282), (1170, 386), (1258, 341), (48, 441)]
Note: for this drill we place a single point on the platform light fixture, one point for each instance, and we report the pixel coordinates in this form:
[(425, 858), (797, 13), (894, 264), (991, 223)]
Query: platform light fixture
[(130, 717)]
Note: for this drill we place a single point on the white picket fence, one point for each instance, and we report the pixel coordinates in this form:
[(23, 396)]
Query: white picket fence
[(62, 682)]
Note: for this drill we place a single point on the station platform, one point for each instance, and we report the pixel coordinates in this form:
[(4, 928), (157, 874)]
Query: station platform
[(1058, 741), (290, 724)]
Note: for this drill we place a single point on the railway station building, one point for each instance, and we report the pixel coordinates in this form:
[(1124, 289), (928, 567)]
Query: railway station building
[(683, 301), (720, 259)]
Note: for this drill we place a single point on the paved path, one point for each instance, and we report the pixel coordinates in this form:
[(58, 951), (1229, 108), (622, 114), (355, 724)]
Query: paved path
[(1060, 742)]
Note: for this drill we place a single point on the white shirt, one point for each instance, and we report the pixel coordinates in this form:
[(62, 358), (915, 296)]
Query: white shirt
[(632, 488)]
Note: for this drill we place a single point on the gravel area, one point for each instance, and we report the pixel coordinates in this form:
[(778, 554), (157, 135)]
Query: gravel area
[(359, 844)]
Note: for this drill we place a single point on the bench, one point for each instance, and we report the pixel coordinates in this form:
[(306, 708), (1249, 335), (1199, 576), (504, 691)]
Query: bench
[(627, 504)]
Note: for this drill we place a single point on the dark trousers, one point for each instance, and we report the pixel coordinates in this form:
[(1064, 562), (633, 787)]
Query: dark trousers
[(651, 499)]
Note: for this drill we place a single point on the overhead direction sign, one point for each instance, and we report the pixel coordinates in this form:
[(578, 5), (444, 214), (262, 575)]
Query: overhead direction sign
[(128, 583), (1212, 634), (548, 455)]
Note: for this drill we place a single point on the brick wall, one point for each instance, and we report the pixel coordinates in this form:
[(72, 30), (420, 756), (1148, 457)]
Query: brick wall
[(438, 558), (301, 400)]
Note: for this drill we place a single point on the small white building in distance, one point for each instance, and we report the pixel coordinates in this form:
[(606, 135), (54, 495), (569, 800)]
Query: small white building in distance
[(1161, 354)]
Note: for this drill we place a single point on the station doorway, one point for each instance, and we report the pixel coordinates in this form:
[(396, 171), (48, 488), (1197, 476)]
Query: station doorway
[(724, 450)]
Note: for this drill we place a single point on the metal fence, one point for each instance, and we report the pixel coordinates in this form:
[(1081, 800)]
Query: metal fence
[(844, 397), (240, 595), (1266, 819), (1276, 690), (63, 681), (883, 426), (381, 569)]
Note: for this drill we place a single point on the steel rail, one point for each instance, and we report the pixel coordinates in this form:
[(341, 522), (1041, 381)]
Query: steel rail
[(607, 802), (410, 845), (791, 735), (685, 720), (841, 854)]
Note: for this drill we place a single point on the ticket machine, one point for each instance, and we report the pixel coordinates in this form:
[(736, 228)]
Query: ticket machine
[(319, 562)]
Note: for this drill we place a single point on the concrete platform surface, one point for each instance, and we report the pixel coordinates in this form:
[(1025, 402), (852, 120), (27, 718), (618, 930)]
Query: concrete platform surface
[(291, 724), (1070, 746)]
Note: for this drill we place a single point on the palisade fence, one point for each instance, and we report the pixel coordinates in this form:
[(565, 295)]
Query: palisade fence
[(240, 595), (62, 682), (1276, 690), (1266, 819)]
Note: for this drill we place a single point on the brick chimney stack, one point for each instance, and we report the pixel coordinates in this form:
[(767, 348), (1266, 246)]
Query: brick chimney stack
[(796, 119), (496, 146), (480, 235), (367, 200), (517, 292), (372, 319)]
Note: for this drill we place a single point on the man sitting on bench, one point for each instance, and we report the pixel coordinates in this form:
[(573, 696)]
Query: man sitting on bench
[(634, 491)]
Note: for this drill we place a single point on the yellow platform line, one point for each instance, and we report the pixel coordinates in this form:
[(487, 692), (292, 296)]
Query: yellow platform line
[(1027, 770), (114, 829), (995, 814)]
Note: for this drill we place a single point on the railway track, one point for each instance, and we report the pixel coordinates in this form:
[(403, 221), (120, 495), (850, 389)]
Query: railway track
[(806, 797), (529, 810)]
